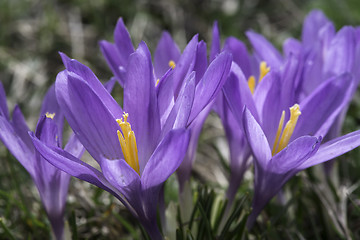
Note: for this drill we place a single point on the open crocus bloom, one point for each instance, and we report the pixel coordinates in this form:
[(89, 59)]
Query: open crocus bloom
[(51, 182), (273, 168), (134, 153)]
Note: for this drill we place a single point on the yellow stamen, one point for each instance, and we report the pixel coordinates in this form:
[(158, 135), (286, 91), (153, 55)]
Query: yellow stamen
[(128, 143), (50, 115), (172, 64), (263, 70), (281, 124), (157, 82), (288, 130), (251, 83)]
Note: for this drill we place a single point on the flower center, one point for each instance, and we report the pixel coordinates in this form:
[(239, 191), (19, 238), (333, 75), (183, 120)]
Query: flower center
[(288, 130), (264, 69), (128, 143)]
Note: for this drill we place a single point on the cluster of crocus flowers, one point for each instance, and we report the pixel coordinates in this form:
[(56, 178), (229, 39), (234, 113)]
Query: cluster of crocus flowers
[(276, 109), (51, 182), (303, 81)]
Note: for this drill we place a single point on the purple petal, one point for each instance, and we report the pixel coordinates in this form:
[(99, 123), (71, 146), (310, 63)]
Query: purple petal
[(321, 107), (290, 78), (50, 105), (185, 64), (179, 115), (73, 166), (123, 41), (112, 57), (292, 46), (109, 85), (87, 75), (4, 111), (215, 45), (165, 96), (340, 56), (87, 115), (16, 145), (166, 158), (211, 83), (294, 155), (265, 50), (21, 128), (333, 149), (74, 147), (238, 94), (201, 63), (314, 21), (121, 176), (141, 103), (256, 139), (240, 54), (272, 107), (166, 50)]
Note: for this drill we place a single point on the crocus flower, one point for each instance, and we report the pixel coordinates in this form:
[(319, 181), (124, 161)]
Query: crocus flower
[(134, 159), (51, 182), (187, 72), (274, 168)]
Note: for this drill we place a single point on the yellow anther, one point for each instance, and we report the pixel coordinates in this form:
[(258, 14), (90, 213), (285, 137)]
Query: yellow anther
[(50, 115), (172, 64), (281, 124), (157, 82), (264, 69), (251, 83), (128, 143), (288, 130)]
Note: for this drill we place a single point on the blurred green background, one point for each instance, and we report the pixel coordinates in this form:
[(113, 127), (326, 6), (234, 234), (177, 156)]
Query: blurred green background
[(33, 31)]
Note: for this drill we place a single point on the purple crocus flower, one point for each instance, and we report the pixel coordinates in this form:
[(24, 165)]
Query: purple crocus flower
[(182, 79), (51, 182), (272, 171), (132, 170)]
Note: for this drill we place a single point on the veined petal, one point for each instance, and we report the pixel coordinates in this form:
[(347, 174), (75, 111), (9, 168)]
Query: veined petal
[(240, 54), (340, 55), (166, 50), (21, 128), (211, 83), (74, 147), (256, 139), (121, 176), (201, 63), (185, 64), (74, 166), (112, 57), (166, 158), (333, 149), (265, 49), (123, 41), (314, 21), (292, 46), (179, 115), (238, 94), (296, 153), (140, 103), (215, 45), (16, 145), (87, 75), (321, 107), (88, 116)]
